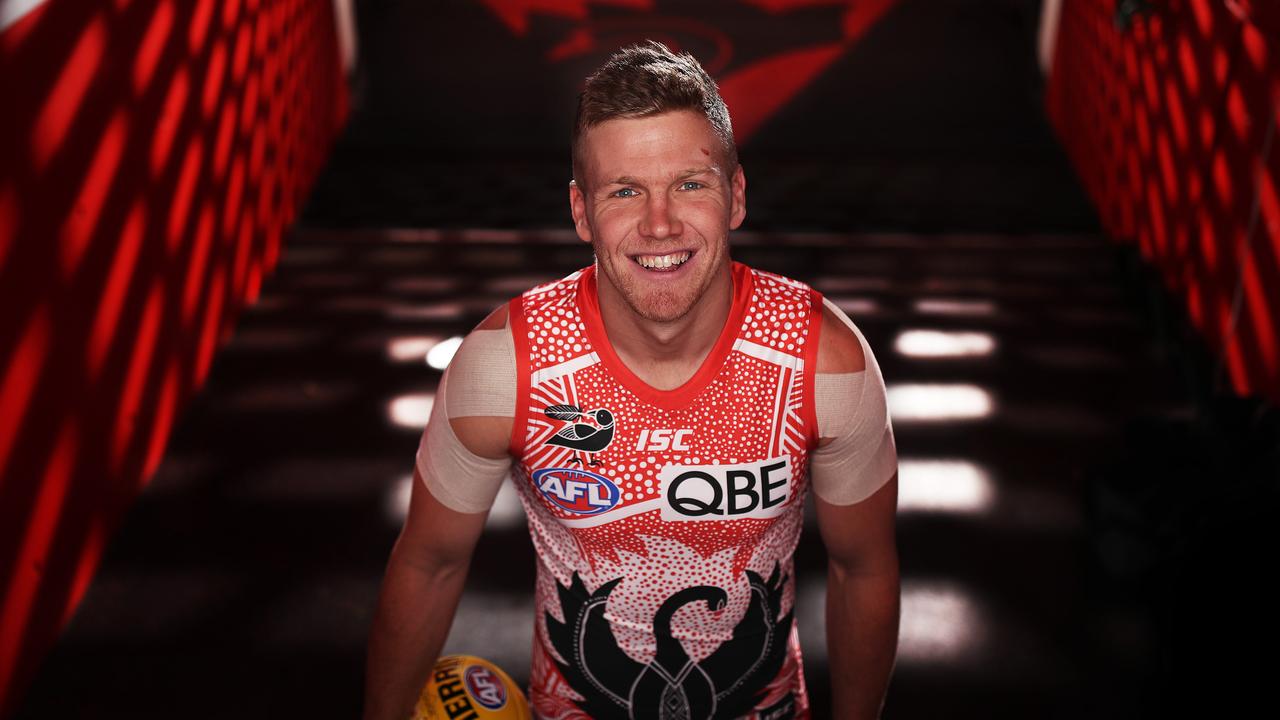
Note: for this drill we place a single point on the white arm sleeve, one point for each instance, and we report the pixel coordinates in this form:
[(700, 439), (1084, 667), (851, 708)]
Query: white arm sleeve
[(457, 477), (852, 408)]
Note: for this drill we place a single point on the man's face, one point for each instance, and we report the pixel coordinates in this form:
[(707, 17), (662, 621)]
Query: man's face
[(657, 206)]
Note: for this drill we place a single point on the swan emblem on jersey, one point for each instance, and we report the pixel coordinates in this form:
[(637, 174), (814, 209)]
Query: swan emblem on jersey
[(729, 683), (579, 436)]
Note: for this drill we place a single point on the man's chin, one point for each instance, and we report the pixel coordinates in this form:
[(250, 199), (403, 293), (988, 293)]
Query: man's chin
[(664, 318), (661, 310)]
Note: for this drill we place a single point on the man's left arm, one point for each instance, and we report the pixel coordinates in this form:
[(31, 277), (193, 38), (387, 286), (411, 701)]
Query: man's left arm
[(854, 473), (862, 599)]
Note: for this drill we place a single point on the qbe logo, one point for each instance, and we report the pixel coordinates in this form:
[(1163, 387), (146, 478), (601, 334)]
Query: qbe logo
[(485, 687), (726, 492), (578, 491)]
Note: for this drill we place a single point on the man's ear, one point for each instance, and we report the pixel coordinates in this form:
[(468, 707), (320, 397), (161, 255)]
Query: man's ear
[(578, 208), (738, 198)]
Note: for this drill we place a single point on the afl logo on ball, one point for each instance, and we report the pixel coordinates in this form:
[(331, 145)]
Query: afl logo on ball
[(577, 491), (485, 687)]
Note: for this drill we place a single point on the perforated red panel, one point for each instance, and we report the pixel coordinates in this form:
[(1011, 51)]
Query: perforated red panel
[(151, 154), (1167, 124)]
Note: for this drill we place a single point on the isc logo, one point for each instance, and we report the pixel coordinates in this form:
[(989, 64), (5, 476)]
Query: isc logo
[(725, 492), (663, 439), (578, 491)]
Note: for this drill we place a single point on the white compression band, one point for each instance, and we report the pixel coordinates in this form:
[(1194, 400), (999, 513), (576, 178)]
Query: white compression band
[(836, 397), (852, 408), (457, 477), (484, 375)]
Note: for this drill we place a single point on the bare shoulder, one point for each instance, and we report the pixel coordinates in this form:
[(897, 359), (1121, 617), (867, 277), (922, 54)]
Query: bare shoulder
[(839, 350)]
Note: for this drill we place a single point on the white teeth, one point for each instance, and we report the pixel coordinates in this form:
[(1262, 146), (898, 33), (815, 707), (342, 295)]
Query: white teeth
[(662, 261)]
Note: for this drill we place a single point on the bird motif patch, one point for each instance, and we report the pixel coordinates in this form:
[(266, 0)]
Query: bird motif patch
[(672, 686), (587, 432)]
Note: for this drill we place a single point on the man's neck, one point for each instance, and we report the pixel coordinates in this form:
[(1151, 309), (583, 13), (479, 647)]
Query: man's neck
[(665, 355)]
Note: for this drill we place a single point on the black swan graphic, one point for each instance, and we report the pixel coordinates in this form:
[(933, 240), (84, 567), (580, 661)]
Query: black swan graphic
[(727, 684), (580, 436)]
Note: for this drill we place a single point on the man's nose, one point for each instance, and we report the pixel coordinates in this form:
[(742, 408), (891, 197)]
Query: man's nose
[(660, 219)]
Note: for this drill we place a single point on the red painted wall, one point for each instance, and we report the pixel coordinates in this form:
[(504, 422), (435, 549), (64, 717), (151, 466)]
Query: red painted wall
[(152, 153), (1171, 126)]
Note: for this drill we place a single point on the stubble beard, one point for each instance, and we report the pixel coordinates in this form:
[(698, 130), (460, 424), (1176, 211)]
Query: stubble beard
[(654, 305)]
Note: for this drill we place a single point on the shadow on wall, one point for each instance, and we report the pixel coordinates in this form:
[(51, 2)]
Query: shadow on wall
[(152, 154)]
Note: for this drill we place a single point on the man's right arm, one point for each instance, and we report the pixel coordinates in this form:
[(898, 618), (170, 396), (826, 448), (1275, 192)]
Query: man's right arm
[(461, 462), (420, 591)]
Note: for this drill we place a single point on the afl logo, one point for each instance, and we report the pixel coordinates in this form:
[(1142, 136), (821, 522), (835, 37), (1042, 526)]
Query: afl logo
[(577, 491), (485, 687)]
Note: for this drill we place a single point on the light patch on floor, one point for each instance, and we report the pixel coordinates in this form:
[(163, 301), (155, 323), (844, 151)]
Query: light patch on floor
[(856, 306), (941, 623), (944, 486), (935, 344), (411, 411), (956, 307), (411, 349), (442, 352), (426, 311), (938, 402)]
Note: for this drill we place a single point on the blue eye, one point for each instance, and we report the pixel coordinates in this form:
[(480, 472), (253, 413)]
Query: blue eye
[(687, 183), (623, 193)]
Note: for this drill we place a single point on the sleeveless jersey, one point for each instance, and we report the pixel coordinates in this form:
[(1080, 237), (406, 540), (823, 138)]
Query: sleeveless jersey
[(665, 521)]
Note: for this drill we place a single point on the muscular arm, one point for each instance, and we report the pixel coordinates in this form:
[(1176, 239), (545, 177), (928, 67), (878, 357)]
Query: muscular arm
[(461, 462), (419, 595), (862, 600), (855, 484)]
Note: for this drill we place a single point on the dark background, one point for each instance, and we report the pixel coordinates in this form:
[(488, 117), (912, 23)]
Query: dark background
[(908, 165), (932, 120)]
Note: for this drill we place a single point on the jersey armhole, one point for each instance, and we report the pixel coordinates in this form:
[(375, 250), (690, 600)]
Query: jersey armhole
[(520, 340), (809, 412)]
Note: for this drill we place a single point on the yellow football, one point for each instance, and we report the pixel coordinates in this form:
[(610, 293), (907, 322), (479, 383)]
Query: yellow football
[(462, 687)]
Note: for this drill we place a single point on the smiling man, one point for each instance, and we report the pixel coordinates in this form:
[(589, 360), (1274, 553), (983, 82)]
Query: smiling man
[(663, 413)]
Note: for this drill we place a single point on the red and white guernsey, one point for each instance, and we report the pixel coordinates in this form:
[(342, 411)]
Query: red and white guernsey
[(665, 521)]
